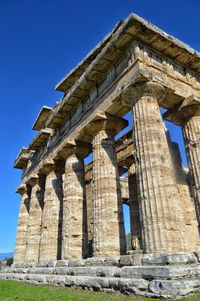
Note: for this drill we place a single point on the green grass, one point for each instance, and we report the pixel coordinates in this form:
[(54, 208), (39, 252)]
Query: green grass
[(12, 290)]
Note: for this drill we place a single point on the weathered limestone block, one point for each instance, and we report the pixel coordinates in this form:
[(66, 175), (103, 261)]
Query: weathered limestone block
[(161, 214), (35, 219), (191, 133), (50, 232), (22, 228), (169, 259), (109, 233), (74, 231), (134, 209), (174, 288), (128, 260)]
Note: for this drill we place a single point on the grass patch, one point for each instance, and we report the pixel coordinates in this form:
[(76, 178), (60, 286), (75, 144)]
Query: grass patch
[(13, 290)]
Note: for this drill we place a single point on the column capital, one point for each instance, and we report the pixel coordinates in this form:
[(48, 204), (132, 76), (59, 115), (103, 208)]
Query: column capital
[(47, 166), (32, 180), (81, 149), (143, 89), (105, 122), (183, 112), (22, 189)]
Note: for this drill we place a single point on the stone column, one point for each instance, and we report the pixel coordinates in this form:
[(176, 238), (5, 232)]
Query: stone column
[(53, 196), (161, 214), (35, 219), (74, 226), (89, 216), (191, 133), (74, 236), (109, 232), (134, 209), (22, 228)]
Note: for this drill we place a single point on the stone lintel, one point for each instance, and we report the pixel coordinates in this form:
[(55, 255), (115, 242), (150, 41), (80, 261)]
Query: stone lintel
[(23, 158), (41, 139), (42, 118), (182, 113)]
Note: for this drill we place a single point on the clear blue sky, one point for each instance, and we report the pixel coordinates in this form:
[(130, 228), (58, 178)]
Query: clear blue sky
[(40, 41)]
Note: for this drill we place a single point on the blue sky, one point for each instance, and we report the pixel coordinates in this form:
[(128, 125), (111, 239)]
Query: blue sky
[(41, 41)]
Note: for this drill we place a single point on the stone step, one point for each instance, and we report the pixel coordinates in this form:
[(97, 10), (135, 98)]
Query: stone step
[(145, 272), (136, 258), (141, 287)]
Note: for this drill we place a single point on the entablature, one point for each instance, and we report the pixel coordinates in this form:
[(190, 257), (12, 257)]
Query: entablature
[(41, 139), (137, 51), (41, 119), (182, 80), (111, 103), (132, 29), (180, 114), (68, 81), (22, 158)]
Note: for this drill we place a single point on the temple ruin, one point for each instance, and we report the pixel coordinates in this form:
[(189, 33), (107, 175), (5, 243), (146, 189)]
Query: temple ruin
[(71, 223)]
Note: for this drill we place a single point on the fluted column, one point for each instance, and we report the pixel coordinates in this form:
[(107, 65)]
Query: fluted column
[(134, 209), (50, 230), (109, 232), (160, 210), (35, 219), (74, 232), (22, 228), (89, 216), (191, 133)]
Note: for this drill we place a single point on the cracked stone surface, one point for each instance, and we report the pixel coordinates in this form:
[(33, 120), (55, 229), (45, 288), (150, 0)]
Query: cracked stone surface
[(109, 232), (74, 232), (22, 227), (161, 213), (50, 228), (35, 221)]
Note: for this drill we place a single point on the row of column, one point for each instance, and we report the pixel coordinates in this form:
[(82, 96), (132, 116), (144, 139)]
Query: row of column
[(160, 225), (191, 134), (161, 217), (55, 224)]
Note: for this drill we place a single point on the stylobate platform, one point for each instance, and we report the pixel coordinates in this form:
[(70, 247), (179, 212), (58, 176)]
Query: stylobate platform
[(151, 275)]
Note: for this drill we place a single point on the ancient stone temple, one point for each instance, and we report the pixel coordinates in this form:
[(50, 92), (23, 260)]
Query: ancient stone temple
[(71, 228)]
